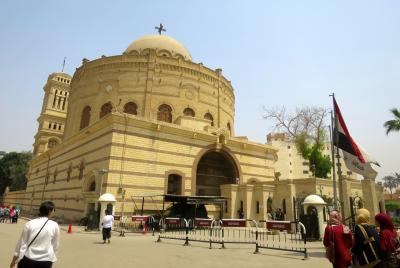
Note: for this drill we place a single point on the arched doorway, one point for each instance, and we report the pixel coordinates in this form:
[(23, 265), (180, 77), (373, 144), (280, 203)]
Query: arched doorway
[(213, 170)]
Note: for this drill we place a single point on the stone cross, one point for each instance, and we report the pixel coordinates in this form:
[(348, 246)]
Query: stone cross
[(160, 29)]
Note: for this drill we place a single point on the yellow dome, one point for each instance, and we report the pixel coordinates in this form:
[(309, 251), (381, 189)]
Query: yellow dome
[(164, 46)]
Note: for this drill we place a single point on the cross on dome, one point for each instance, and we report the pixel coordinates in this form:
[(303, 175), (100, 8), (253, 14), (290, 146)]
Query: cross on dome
[(160, 29)]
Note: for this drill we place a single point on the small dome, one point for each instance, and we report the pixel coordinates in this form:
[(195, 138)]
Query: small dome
[(107, 198), (314, 200), (161, 43)]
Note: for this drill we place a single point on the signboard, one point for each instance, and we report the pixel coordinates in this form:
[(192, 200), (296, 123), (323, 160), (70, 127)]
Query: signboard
[(140, 218), (117, 217), (234, 223), (279, 225), (203, 222), (173, 221)]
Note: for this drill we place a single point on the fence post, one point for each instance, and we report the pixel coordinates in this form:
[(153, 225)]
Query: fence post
[(187, 232), (303, 228), (153, 221), (161, 226)]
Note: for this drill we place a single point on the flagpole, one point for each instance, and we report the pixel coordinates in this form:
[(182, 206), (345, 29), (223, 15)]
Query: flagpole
[(333, 164), (339, 168)]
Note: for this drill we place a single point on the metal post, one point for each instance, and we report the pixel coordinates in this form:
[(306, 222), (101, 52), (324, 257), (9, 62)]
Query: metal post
[(187, 232), (339, 171), (333, 163), (142, 206)]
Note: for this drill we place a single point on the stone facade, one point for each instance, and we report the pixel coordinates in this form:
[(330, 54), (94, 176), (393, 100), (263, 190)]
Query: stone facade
[(151, 122)]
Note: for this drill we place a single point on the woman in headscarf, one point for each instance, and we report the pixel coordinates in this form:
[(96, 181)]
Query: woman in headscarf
[(366, 241), (338, 238), (388, 238)]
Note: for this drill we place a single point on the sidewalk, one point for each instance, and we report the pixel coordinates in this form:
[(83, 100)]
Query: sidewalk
[(85, 249)]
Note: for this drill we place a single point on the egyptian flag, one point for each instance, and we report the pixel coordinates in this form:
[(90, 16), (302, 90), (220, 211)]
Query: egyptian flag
[(355, 158)]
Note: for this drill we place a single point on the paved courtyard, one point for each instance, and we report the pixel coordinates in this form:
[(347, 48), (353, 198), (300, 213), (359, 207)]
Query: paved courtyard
[(81, 249)]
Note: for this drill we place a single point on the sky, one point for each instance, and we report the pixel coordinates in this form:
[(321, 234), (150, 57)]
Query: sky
[(276, 53)]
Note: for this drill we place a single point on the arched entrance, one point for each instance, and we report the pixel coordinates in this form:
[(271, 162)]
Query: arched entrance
[(213, 170)]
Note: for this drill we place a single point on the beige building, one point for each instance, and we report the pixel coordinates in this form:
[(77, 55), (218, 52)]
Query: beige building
[(152, 121)]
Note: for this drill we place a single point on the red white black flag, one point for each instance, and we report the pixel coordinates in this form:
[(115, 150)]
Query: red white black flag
[(355, 158)]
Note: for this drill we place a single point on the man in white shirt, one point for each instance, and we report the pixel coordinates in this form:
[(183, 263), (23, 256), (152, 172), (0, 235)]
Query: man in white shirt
[(107, 224), (39, 241)]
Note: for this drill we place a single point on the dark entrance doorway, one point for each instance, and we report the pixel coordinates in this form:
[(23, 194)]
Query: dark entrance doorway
[(214, 169)]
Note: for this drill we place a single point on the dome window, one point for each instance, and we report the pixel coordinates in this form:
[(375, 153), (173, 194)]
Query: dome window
[(105, 109), (85, 118), (164, 113), (209, 116), (130, 108), (189, 112)]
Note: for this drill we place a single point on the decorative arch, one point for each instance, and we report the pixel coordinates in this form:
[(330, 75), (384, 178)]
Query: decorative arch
[(52, 142), (228, 126), (164, 113), (89, 183), (189, 112), (130, 108), (226, 152), (164, 53), (209, 117), (106, 108), (85, 117)]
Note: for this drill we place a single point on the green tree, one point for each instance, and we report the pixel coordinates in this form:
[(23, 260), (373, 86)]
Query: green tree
[(307, 128), (13, 169), (391, 183), (394, 124)]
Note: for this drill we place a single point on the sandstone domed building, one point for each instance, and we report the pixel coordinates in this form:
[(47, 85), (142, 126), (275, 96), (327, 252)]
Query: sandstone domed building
[(148, 122)]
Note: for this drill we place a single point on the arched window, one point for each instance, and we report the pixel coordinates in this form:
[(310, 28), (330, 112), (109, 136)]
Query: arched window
[(130, 108), (209, 116), (52, 143), (105, 109), (164, 113), (174, 184), (92, 186), (228, 126), (189, 112), (85, 118)]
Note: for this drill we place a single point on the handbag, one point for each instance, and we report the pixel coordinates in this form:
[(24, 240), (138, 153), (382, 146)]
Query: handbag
[(330, 250)]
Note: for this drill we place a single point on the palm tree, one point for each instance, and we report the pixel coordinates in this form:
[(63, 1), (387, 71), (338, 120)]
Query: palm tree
[(393, 125), (391, 183)]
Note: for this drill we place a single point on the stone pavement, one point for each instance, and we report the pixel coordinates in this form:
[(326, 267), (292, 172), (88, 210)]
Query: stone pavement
[(81, 249)]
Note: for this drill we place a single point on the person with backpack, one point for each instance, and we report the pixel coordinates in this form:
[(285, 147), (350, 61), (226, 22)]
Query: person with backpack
[(39, 241), (365, 251), (338, 241)]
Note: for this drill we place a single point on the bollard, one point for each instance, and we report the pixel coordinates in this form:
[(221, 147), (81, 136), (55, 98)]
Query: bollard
[(69, 229)]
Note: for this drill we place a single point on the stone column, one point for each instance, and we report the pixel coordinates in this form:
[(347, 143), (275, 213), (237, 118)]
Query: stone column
[(370, 199), (285, 190), (346, 198)]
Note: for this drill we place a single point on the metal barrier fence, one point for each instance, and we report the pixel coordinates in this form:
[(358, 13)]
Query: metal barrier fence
[(278, 235), (134, 224)]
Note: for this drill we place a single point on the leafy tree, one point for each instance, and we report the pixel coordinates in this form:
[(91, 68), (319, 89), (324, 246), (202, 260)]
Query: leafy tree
[(307, 128), (394, 124), (13, 169), (391, 183)]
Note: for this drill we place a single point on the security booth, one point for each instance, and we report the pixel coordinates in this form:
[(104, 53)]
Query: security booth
[(106, 202), (313, 219)]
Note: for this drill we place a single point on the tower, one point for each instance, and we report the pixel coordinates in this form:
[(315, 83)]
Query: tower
[(54, 112)]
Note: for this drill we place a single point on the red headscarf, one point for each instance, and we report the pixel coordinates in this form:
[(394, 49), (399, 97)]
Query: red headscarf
[(387, 232)]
